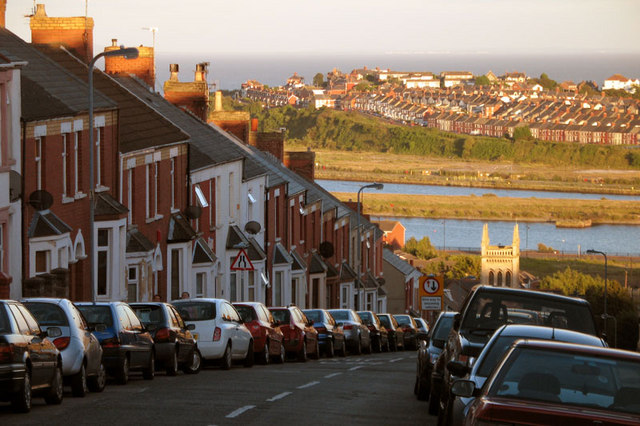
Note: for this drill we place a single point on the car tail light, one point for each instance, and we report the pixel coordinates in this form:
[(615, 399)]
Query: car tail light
[(162, 334), (321, 329), (111, 342), (217, 333), (62, 342), (5, 352), (463, 359), (347, 327)]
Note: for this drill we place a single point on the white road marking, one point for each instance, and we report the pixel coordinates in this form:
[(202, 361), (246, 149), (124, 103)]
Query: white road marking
[(308, 385), (328, 376), (279, 396), (240, 411), (396, 359), (355, 368), (143, 390)]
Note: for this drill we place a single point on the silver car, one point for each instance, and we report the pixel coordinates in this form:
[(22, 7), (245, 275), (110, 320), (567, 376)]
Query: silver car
[(356, 333), (82, 365)]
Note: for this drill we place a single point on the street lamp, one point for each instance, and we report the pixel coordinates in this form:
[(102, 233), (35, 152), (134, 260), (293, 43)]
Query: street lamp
[(128, 53), (377, 186), (604, 315)]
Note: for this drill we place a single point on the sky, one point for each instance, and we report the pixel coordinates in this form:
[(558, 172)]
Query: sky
[(304, 27)]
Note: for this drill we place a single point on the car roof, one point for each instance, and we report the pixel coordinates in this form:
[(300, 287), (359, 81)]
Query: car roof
[(548, 333), (199, 299), (98, 303), (252, 304), (575, 348), (527, 292)]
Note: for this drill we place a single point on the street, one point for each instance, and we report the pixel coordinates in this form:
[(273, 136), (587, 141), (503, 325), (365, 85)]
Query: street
[(372, 389)]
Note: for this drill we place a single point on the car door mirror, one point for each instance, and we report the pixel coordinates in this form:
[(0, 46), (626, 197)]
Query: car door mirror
[(190, 327), (456, 322), (53, 332), (464, 388), (457, 368)]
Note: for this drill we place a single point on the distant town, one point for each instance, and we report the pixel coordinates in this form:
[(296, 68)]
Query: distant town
[(459, 102)]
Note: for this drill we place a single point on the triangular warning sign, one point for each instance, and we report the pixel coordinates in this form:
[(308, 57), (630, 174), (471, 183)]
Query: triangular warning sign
[(242, 262)]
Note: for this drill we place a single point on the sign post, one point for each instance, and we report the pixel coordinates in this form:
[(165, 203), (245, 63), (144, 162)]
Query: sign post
[(431, 292)]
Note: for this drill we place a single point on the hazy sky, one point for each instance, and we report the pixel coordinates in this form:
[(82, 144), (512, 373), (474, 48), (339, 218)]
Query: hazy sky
[(355, 26)]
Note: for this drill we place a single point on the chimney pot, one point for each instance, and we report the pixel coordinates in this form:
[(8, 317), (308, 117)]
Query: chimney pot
[(174, 69), (114, 42), (40, 12), (218, 101)]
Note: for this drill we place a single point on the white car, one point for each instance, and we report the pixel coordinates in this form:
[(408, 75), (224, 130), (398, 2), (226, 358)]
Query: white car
[(219, 330), (82, 364)]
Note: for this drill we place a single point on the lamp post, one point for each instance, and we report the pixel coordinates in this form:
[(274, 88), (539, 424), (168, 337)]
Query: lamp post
[(604, 315), (128, 53), (377, 186)]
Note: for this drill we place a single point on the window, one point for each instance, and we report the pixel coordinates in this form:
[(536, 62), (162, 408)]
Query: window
[(233, 286), (277, 201), (200, 196), (252, 201), (176, 272), (232, 196), (152, 190), (66, 165), (20, 321), (212, 194), (2, 256), (201, 284), (43, 261), (294, 290), (130, 176), (38, 157), (76, 163), (277, 289), (173, 183), (251, 285), (125, 322), (103, 262), (369, 301), (344, 296), (132, 284), (99, 157)]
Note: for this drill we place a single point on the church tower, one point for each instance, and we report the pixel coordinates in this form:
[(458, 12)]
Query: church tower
[(500, 264)]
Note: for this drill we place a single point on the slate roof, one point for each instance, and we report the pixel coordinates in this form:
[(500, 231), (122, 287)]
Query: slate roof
[(255, 251), (347, 273), (317, 266), (137, 242), (281, 256), (397, 263), (69, 93), (298, 263), (236, 238), (106, 205), (45, 223), (179, 229), (202, 253), (371, 281)]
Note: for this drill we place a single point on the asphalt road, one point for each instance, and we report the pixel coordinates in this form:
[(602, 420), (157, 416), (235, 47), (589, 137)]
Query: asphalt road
[(372, 389)]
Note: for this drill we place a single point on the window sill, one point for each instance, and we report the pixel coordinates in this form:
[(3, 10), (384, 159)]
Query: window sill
[(153, 219), (100, 188), (174, 210), (79, 195), (67, 200)]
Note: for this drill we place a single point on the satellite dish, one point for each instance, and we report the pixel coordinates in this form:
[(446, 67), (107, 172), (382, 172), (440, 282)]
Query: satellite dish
[(325, 249), (381, 281), (40, 199), (193, 212), (252, 227)]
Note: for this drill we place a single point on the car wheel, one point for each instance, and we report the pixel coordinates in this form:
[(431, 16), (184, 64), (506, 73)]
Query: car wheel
[(250, 358), (79, 383), (433, 404), (264, 355), (196, 363), (122, 375), (21, 402), (357, 350), (172, 364), (149, 372), (302, 354), (422, 391), (98, 382), (394, 346), (283, 354), (330, 352), (316, 353), (55, 393), (226, 357), (343, 351)]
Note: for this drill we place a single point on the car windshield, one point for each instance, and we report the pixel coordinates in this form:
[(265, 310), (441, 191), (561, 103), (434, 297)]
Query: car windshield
[(4, 322), (341, 315), (385, 321), (489, 311), (570, 378), (96, 314), (404, 320), (443, 328), (48, 314), (315, 316), (281, 315), (149, 314), (366, 316), (246, 313), (196, 311)]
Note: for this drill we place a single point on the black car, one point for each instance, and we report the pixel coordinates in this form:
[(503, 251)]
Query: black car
[(330, 334), (410, 328), (30, 364), (126, 343), (394, 331), (379, 334), (485, 309), (175, 347), (428, 354)]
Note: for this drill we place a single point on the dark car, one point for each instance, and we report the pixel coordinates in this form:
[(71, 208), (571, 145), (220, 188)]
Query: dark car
[(30, 364), (174, 345), (546, 382), (379, 334), (410, 328), (330, 334), (423, 329), (394, 331), (300, 338), (126, 343), (486, 308), (428, 353), (268, 340)]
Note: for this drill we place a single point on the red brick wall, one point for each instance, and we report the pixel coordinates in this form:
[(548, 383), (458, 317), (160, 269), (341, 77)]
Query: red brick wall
[(143, 66), (302, 163), (272, 142), (237, 128), (75, 33), (196, 102)]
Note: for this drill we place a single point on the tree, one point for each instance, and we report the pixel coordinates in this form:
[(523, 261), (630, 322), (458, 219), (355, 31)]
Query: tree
[(318, 80), (422, 249), (483, 80), (363, 86), (546, 82), (522, 133)]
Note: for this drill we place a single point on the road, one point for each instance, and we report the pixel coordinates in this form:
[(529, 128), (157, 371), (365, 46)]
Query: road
[(372, 389)]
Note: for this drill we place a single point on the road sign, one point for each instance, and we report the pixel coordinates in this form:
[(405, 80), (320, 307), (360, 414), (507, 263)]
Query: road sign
[(242, 262), (431, 303), (431, 292)]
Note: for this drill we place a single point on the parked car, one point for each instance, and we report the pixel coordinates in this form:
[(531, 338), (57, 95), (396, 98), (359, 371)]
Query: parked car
[(410, 328), (330, 334), (423, 329), (300, 338), (377, 332), (548, 382), (219, 330), (456, 408), (394, 331), (486, 308), (268, 340), (357, 334), (82, 365), (30, 364), (175, 347), (428, 353), (127, 345)]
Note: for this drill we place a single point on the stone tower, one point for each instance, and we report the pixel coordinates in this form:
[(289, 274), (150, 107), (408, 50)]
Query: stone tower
[(500, 264)]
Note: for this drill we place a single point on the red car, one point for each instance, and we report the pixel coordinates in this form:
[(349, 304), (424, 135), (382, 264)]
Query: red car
[(549, 382), (268, 340), (300, 337)]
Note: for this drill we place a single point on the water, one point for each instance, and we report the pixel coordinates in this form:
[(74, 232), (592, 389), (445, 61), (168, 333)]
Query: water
[(401, 188)]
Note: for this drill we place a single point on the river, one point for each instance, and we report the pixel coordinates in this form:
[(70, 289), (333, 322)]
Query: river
[(621, 240)]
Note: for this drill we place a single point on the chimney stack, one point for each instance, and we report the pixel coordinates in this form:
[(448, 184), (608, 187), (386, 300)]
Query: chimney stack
[(192, 96), (3, 11), (201, 71), (142, 67)]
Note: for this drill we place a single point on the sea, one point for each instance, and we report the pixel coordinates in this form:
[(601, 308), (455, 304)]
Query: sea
[(229, 71)]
